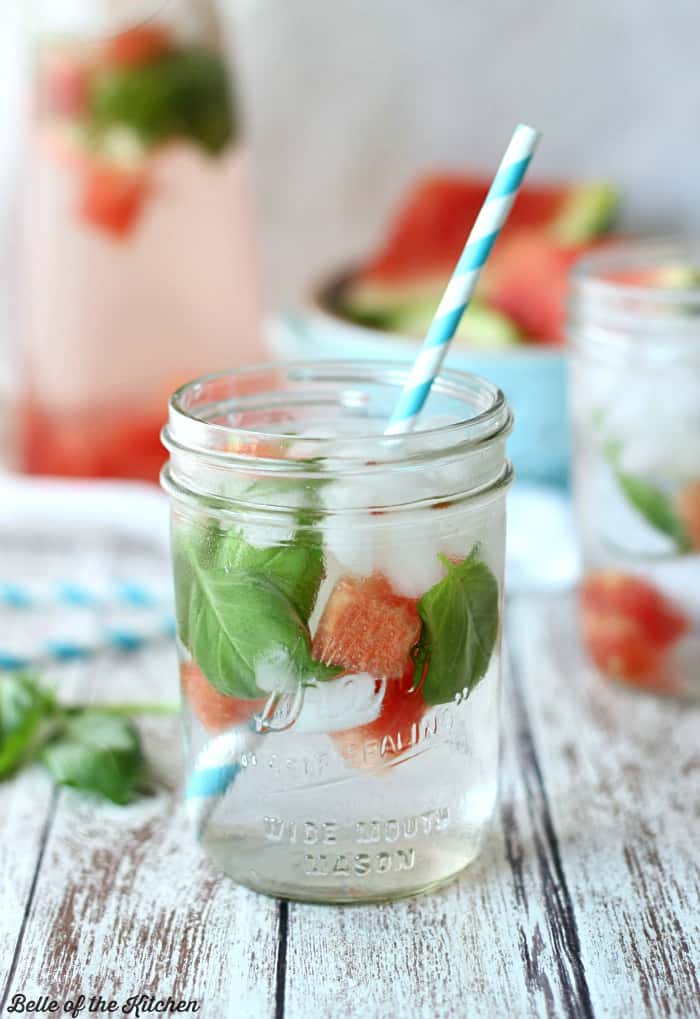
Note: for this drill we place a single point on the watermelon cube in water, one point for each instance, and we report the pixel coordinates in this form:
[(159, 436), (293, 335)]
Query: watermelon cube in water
[(366, 627), (215, 710)]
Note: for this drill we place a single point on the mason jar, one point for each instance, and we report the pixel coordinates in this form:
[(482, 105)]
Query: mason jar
[(138, 259), (339, 606), (635, 398)]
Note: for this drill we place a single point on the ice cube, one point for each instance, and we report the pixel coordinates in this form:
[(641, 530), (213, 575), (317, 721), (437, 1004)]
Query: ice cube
[(341, 703)]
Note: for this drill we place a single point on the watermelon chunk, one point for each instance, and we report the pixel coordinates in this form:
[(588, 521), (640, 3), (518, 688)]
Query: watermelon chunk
[(215, 711), (366, 627), (137, 46), (628, 626), (423, 245), (113, 197), (64, 85), (391, 733)]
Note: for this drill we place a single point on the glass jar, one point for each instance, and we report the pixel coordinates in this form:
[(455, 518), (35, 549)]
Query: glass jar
[(635, 397), (339, 614), (138, 265)]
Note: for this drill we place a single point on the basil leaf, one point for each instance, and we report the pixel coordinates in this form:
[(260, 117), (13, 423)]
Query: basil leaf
[(97, 752), (23, 707), (183, 94), (650, 501), (297, 569), (655, 506), (198, 543), (460, 626), (239, 620)]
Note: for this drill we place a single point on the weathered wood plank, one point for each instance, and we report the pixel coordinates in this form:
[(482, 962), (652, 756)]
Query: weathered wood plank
[(125, 903), (501, 940), (25, 814), (621, 773)]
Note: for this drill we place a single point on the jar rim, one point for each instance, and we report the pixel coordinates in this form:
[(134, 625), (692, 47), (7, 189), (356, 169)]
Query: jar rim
[(644, 253), (638, 292), (190, 432)]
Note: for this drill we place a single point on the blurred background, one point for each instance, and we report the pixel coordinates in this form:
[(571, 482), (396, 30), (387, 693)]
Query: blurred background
[(339, 110), (347, 102)]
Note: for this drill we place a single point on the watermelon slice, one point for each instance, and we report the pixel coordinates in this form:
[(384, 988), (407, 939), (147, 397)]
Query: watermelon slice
[(366, 627), (426, 240), (528, 281)]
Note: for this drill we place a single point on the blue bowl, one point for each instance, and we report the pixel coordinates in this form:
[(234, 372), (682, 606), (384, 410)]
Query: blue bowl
[(532, 377)]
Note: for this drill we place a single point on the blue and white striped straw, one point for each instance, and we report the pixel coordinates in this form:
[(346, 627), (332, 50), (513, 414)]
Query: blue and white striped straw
[(465, 277)]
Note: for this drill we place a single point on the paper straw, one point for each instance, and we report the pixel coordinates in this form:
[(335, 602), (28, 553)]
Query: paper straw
[(465, 277)]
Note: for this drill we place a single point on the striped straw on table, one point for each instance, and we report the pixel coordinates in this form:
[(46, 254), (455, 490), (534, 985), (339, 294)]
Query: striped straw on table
[(130, 594), (70, 649), (455, 300), (137, 613)]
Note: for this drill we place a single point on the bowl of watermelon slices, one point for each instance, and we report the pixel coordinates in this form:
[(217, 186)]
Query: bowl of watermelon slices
[(513, 331)]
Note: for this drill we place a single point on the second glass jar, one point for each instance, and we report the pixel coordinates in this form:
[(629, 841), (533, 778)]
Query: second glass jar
[(635, 393)]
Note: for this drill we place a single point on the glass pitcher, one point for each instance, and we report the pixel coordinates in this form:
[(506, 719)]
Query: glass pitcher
[(138, 268)]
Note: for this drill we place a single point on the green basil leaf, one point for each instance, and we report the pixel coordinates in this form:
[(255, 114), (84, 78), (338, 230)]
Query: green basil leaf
[(97, 752), (191, 542), (655, 506), (183, 94), (238, 621), (23, 707), (297, 568), (460, 626)]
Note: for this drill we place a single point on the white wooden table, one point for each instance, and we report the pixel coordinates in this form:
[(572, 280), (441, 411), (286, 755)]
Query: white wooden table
[(584, 903)]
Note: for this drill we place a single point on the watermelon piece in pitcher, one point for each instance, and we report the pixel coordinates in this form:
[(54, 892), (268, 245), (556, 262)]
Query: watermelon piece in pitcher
[(113, 196)]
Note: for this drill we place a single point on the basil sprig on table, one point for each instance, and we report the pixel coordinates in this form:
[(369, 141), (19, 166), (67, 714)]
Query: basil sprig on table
[(239, 606), (24, 706), (97, 752), (648, 500), (96, 749), (460, 628)]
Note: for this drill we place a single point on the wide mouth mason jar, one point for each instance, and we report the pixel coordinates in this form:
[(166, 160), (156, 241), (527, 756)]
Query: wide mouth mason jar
[(635, 397), (339, 604)]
